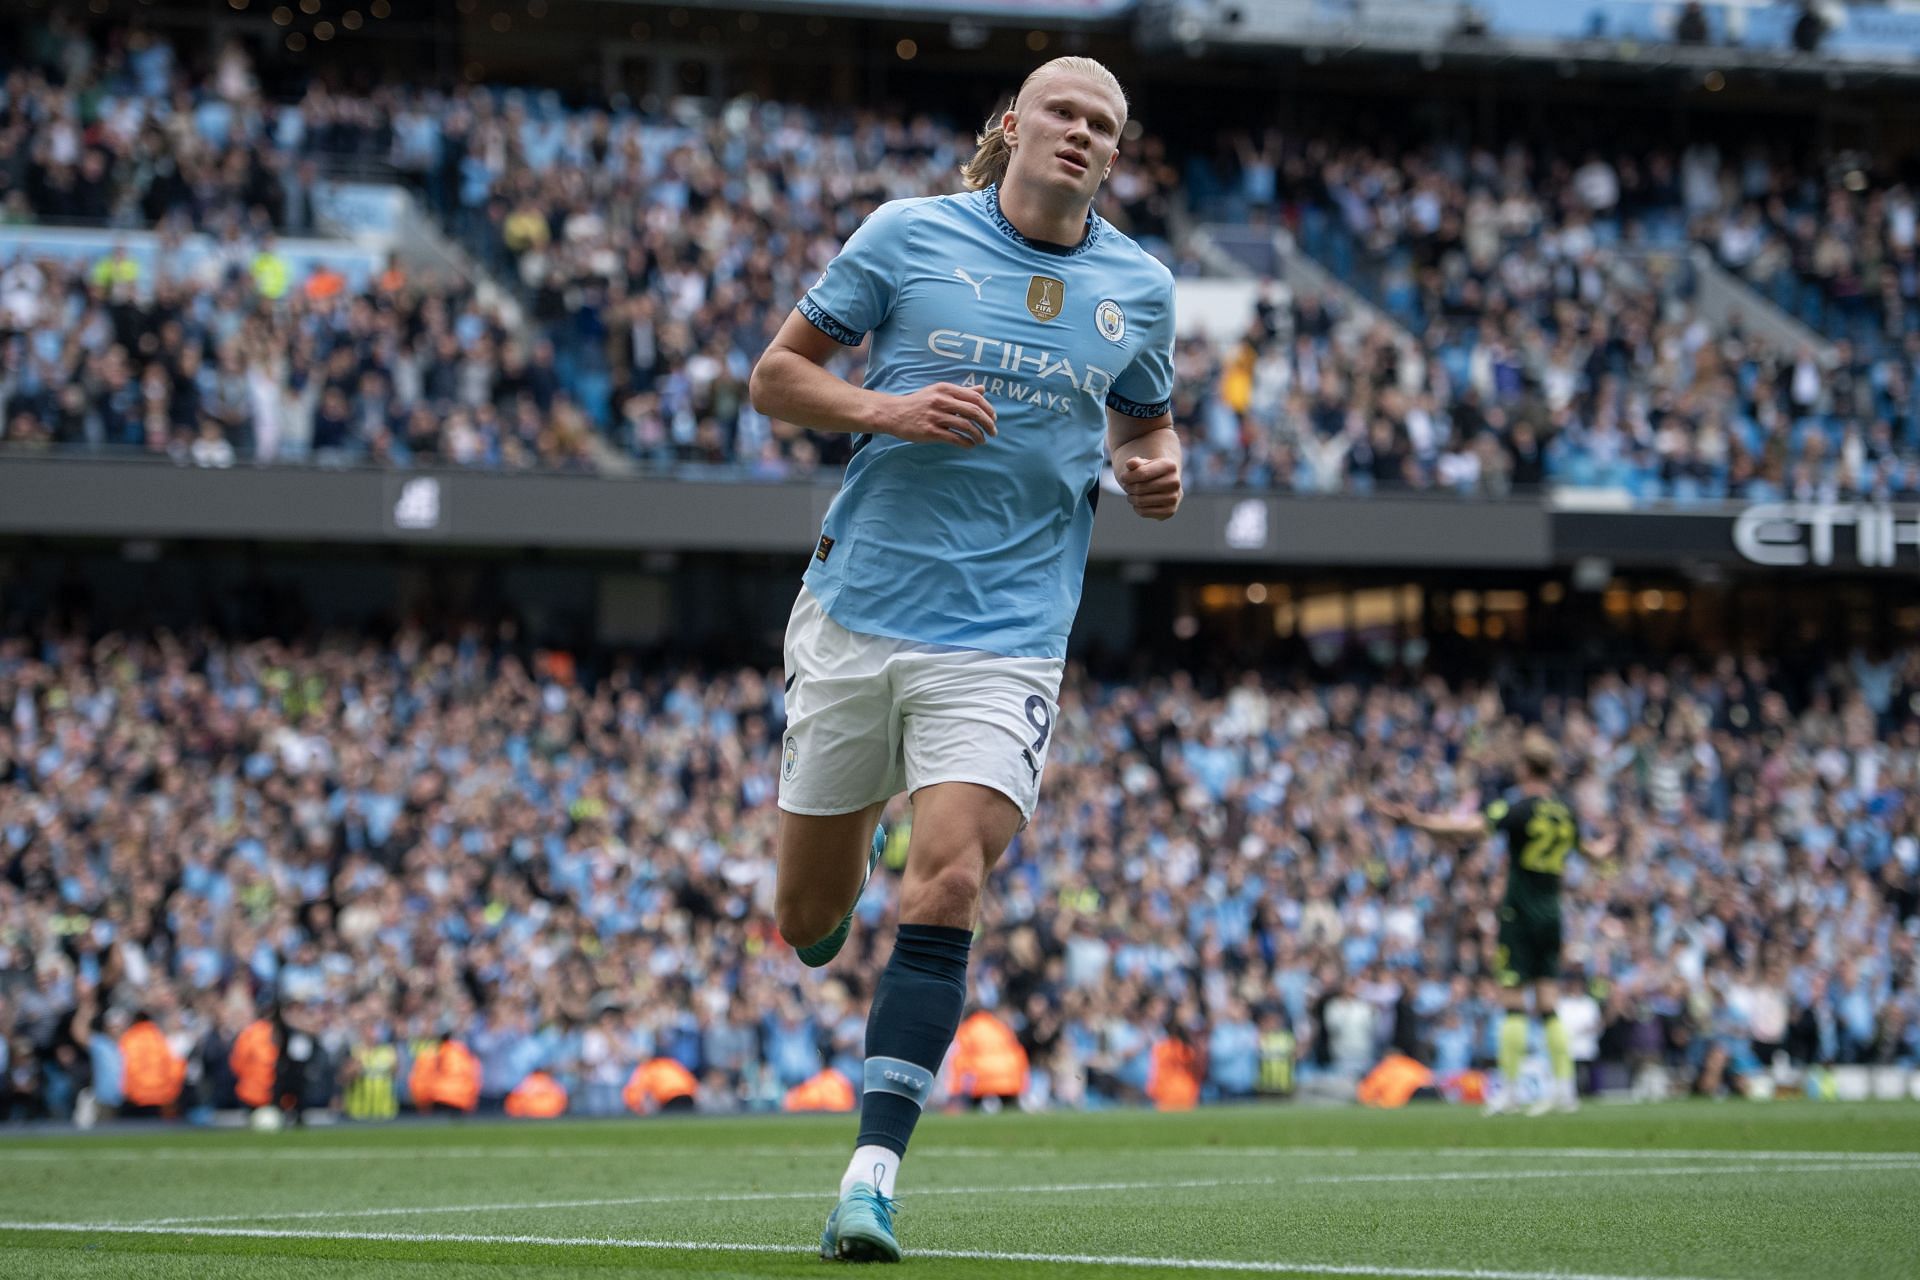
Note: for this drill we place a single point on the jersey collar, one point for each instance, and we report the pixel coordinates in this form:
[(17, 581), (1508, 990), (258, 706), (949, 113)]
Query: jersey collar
[(1011, 232)]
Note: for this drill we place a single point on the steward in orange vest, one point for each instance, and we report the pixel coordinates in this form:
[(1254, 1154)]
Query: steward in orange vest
[(255, 1059), (153, 1072), (1173, 1079), (659, 1084), (988, 1061), (538, 1097), (828, 1091), (445, 1076), (1394, 1082)]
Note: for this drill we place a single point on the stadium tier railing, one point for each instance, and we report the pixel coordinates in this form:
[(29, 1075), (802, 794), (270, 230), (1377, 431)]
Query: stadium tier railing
[(1736, 33), (713, 510)]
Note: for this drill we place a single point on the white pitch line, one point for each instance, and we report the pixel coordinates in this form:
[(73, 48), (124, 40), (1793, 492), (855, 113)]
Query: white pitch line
[(1273, 1268), (1665, 1153), (1259, 1266), (1778, 1169), (1264, 1152), (729, 1197), (1061, 1188)]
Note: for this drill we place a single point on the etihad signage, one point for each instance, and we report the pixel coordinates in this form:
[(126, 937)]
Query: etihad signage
[(1793, 534)]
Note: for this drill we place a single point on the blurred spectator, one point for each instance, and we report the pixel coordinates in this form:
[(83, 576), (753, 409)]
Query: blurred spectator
[(1691, 26)]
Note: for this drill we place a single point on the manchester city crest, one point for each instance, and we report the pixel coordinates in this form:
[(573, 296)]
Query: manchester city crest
[(1110, 320)]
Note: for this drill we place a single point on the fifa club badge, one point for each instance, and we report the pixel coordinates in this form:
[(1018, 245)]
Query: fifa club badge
[(1110, 320), (1045, 297)]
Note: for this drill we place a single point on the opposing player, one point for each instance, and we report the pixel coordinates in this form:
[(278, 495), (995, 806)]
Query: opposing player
[(1017, 340), (1540, 835)]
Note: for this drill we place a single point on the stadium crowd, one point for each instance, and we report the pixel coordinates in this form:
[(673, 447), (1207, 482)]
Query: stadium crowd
[(1546, 295), (1550, 297), (373, 853), (247, 365), (1829, 243), (656, 253)]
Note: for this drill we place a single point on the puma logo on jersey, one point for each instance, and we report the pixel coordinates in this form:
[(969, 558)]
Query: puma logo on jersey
[(962, 273)]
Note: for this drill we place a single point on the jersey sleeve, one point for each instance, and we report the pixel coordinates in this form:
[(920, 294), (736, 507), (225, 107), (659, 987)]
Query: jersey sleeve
[(1144, 388), (856, 291), (1498, 815)]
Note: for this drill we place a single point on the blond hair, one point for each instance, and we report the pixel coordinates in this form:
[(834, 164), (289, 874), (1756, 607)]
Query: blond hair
[(992, 154), (1539, 754)]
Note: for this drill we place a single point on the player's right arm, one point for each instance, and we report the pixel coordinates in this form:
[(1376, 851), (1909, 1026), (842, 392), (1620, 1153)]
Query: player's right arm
[(791, 382), (853, 297)]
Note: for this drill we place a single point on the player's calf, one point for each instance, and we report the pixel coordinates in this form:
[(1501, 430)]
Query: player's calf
[(823, 950), (823, 864)]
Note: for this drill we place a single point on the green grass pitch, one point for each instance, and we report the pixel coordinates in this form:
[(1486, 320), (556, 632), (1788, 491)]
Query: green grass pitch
[(1706, 1192)]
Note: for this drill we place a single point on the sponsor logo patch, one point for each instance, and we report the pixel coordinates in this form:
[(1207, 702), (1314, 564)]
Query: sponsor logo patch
[(1045, 297)]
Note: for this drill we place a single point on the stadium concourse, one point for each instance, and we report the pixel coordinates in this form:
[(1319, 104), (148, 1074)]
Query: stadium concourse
[(562, 864), (1547, 294)]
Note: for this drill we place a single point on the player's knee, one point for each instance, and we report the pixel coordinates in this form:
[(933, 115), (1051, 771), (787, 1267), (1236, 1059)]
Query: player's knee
[(803, 922), (948, 895)]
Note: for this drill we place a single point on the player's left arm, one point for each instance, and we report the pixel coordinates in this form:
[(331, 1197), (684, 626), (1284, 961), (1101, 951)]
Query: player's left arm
[(1140, 437), (1146, 461)]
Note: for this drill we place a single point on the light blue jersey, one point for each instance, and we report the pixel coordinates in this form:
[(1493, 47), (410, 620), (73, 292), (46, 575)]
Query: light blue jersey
[(984, 548)]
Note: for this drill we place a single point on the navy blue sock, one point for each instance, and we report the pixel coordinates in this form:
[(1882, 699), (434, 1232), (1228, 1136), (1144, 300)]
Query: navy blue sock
[(916, 1009)]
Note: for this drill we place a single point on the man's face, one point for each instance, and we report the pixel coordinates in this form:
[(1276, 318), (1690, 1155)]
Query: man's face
[(1064, 132)]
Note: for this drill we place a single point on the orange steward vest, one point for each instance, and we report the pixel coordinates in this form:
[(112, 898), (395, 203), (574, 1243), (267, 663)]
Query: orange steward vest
[(1393, 1082), (254, 1059), (154, 1073), (456, 1076), (539, 1097), (1173, 1078), (988, 1061), (655, 1083), (828, 1091)]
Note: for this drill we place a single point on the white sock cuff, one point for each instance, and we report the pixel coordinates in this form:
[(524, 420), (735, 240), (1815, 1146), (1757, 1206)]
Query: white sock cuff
[(877, 1165)]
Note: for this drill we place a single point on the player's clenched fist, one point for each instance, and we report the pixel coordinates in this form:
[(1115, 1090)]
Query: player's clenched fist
[(1152, 485), (944, 413)]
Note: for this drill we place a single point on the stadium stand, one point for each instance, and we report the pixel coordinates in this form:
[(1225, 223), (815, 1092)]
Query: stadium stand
[(1549, 293), (566, 867), (216, 371), (1831, 242), (652, 272), (1551, 297)]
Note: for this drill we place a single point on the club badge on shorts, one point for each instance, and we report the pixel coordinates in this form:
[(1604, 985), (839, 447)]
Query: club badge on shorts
[(1045, 297), (791, 762), (1110, 320)]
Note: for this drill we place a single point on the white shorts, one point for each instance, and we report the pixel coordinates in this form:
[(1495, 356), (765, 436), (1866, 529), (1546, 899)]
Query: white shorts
[(871, 716)]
